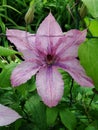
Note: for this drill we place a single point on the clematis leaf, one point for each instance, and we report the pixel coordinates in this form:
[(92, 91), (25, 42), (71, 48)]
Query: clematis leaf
[(5, 75), (88, 55), (36, 110), (92, 6), (52, 114), (90, 128), (29, 86), (92, 25), (7, 52), (68, 119)]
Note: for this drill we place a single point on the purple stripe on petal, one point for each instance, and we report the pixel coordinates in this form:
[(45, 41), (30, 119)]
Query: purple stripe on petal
[(21, 39), (68, 45), (50, 86), (77, 72), (23, 72), (50, 30)]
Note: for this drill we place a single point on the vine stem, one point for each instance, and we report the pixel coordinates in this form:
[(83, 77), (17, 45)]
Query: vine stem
[(77, 14), (71, 96), (91, 100)]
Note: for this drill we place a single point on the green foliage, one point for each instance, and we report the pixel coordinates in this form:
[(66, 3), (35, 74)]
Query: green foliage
[(68, 119), (7, 52), (5, 75), (92, 6), (26, 88), (52, 114), (36, 112), (88, 54), (90, 128), (92, 25)]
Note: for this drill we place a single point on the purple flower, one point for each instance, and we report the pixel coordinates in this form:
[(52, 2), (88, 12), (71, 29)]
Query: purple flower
[(43, 54), (7, 115)]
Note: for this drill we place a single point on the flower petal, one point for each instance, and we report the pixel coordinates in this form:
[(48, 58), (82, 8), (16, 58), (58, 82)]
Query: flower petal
[(23, 72), (7, 115), (29, 55), (77, 72), (48, 32), (49, 27), (50, 86), (21, 39), (68, 45)]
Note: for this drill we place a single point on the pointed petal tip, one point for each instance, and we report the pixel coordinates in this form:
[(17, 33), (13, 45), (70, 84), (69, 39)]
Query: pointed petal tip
[(77, 72), (89, 82), (14, 84), (50, 17), (7, 115), (50, 14), (84, 32), (7, 32)]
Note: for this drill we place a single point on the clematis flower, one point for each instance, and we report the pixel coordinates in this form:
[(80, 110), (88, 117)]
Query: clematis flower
[(45, 52), (7, 115)]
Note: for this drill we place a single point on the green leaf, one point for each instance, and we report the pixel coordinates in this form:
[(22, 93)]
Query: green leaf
[(37, 112), (28, 126), (68, 119), (90, 128), (92, 6), (27, 87), (1, 64), (92, 25), (9, 19), (10, 7), (7, 52), (88, 55), (51, 115), (5, 75)]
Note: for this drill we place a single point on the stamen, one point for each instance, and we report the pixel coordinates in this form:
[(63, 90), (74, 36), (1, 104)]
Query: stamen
[(49, 59)]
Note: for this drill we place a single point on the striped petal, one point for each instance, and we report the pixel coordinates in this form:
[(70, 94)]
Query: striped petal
[(73, 67), (21, 39), (7, 115), (23, 72), (68, 45), (50, 86), (48, 33)]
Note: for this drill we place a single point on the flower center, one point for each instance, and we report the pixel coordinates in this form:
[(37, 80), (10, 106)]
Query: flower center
[(49, 59)]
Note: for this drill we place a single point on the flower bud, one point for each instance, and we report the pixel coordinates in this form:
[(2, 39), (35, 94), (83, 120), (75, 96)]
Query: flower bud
[(30, 14), (83, 11)]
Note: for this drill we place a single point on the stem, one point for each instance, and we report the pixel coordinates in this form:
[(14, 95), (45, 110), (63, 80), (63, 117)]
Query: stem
[(87, 113), (77, 14), (92, 37), (91, 100), (94, 93), (71, 96), (87, 108), (4, 2)]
